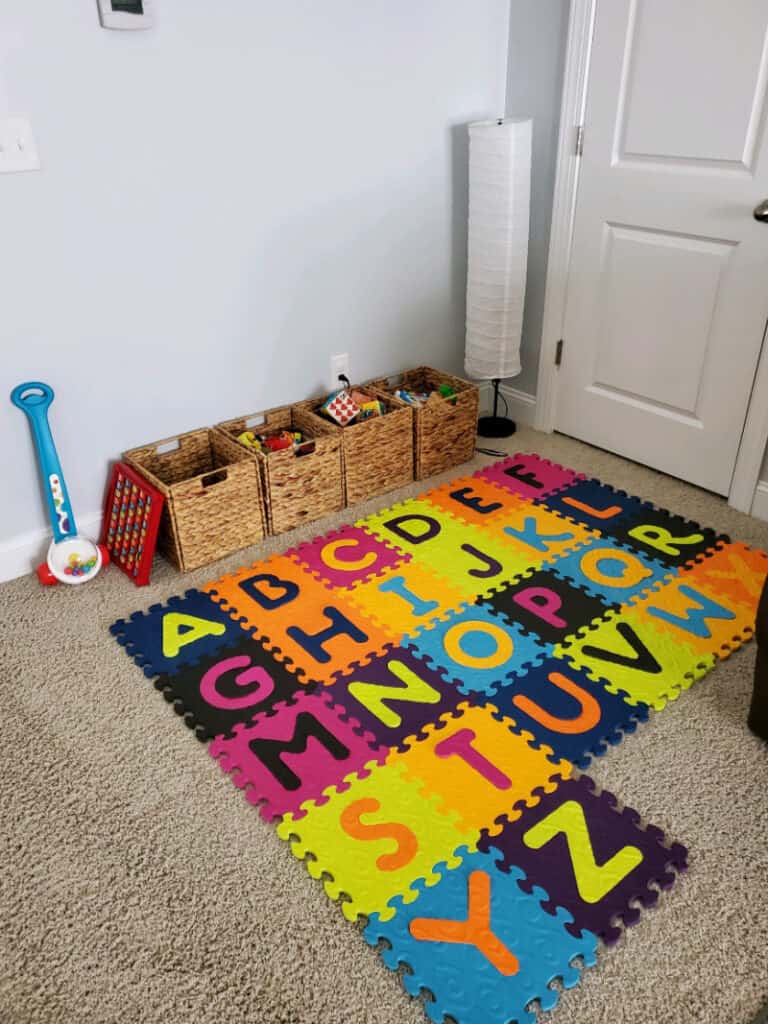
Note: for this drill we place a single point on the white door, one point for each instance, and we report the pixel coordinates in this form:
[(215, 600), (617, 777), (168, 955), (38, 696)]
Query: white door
[(668, 288)]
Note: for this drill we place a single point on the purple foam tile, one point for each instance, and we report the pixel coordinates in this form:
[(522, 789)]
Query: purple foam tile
[(395, 695), (589, 857)]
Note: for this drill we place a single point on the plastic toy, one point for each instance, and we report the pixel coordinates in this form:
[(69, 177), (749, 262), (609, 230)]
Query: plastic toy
[(250, 440), (412, 397), (131, 520), (340, 407), (280, 441), (373, 407), (71, 558), (277, 441)]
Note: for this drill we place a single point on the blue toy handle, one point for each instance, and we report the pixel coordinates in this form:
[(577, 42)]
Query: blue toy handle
[(34, 399)]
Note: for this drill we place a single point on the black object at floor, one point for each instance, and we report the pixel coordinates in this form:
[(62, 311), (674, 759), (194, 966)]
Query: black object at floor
[(758, 712), (495, 425)]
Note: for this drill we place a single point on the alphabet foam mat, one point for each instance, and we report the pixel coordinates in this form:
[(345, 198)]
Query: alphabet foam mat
[(411, 698)]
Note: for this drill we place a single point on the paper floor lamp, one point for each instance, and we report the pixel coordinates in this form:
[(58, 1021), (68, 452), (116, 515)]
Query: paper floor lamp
[(499, 220)]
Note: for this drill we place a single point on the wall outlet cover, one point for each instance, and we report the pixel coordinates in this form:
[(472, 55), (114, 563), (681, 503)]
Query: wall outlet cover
[(18, 151), (339, 367)]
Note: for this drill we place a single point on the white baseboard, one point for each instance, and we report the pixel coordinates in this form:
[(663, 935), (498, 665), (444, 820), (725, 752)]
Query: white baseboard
[(522, 405), (760, 501), (23, 553)]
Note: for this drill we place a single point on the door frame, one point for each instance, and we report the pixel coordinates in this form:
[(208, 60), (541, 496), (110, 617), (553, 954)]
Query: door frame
[(754, 438)]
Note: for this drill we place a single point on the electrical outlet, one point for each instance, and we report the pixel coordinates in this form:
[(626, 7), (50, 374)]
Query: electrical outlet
[(18, 151), (339, 367)]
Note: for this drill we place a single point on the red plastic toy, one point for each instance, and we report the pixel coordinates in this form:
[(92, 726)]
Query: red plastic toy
[(131, 521)]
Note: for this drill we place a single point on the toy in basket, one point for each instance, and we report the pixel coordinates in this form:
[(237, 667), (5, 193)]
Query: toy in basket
[(131, 521)]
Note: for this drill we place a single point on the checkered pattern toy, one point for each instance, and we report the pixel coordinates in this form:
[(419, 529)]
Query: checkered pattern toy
[(342, 408)]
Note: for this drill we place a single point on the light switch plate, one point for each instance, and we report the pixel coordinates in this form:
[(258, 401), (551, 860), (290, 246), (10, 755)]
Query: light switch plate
[(131, 15), (18, 151)]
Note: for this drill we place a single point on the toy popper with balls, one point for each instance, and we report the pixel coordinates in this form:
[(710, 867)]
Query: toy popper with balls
[(71, 558)]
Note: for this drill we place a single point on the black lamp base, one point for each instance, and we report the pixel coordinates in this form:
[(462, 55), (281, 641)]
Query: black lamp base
[(496, 426)]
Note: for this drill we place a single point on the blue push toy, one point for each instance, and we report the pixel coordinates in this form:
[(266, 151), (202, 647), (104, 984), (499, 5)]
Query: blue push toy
[(71, 558)]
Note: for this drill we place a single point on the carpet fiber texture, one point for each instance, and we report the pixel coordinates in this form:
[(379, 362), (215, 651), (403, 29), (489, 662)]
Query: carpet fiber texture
[(139, 886)]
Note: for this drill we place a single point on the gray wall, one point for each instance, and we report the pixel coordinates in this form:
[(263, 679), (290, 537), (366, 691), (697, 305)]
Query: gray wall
[(224, 202), (537, 38)]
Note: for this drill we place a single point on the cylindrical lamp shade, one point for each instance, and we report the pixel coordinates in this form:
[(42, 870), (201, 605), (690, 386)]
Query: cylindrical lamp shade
[(499, 220)]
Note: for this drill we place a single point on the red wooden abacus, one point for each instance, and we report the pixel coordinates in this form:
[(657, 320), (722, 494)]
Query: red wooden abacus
[(131, 520)]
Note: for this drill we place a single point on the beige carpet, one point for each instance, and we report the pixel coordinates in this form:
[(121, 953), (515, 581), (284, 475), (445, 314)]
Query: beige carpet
[(137, 885)]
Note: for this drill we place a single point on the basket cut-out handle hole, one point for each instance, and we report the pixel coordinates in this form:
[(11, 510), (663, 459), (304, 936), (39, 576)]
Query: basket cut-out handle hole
[(305, 449), (214, 478), (168, 447), (254, 421)]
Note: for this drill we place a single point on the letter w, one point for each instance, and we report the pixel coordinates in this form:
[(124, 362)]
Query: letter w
[(593, 880), (694, 620)]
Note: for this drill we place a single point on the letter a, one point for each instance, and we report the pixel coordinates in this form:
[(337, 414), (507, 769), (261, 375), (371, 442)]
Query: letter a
[(180, 630)]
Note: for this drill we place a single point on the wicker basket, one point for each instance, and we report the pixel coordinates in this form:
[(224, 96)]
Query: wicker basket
[(377, 452), (300, 484), (444, 428), (213, 496)]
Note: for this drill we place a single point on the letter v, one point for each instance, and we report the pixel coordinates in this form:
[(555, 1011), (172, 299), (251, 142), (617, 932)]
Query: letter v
[(475, 931), (644, 660)]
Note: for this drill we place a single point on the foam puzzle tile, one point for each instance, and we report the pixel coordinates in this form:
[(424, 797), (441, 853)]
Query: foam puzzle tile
[(470, 559), (538, 535), (590, 857), (228, 687), (478, 650), (346, 556), (481, 946), (291, 754), (406, 600), (686, 613), (474, 500), (733, 572), (666, 537), (546, 604), (573, 714), (374, 838), (166, 637), (594, 504), (394, 696), (612, 571), (529, 475), (479, 767), (633, 656), (301, 621)]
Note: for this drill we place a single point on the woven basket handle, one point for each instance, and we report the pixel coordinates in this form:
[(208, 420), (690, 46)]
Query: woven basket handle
[(306, 448), (218, 476), (168, 447)]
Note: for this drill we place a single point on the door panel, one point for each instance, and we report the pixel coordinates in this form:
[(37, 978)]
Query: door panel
[(669, 107), (660, 291), (668, 287)]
